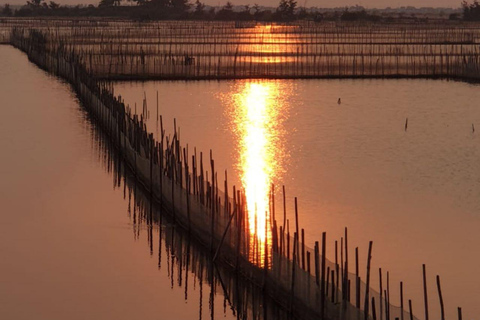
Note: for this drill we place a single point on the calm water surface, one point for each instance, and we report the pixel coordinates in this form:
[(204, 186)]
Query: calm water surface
[(414, 192), (70, 248)]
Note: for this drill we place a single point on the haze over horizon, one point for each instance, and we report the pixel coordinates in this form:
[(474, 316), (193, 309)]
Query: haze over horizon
[(380, 4)]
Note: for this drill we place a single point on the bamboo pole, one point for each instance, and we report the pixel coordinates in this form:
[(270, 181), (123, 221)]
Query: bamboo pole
[(425, 297), (367, 299), (440, 297)]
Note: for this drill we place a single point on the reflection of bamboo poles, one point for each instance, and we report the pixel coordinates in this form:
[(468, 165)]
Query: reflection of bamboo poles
[(207, 212)]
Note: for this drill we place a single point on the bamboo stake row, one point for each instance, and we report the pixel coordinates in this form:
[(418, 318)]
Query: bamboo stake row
[(226, 50)]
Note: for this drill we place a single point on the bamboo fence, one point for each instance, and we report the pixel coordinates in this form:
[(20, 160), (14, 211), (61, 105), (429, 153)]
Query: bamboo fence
[(115, 49)]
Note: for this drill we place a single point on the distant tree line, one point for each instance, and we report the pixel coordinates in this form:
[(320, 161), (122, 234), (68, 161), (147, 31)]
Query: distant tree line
[(41, 8), (287, 10)]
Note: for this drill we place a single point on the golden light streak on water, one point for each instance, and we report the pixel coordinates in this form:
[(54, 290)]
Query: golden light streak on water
[(271, 45), (256, 159), (260, 108)]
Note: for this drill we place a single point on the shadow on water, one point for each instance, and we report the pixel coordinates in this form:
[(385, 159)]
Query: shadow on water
[(186, 261)]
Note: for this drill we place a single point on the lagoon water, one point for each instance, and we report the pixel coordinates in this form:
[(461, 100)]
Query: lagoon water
[(70, 246), (71, 249), (413, 188)]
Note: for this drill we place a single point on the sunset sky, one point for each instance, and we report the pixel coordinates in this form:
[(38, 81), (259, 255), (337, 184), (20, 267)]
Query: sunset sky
[(308, 3)]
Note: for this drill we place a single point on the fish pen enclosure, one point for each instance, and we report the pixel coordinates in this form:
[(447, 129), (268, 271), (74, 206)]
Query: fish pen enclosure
[(273, 256), (227, 50), (188, 264)]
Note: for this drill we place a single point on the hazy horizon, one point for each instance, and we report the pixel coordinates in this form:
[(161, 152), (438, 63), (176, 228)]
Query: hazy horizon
[(380, 4)]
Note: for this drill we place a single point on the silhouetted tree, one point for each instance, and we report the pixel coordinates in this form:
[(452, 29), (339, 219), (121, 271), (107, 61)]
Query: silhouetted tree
[(109, 3), (7, 11), (471, 11), (245, 14), (282, 7), (226, 13), (35, 4), (199, 9), (105, 3), (302, 13), (211, 12), (179, 6), (259, 14), (53, 5), (228, 6), (286, 10)]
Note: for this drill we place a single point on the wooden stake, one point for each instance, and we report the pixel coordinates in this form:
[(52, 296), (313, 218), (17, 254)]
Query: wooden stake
[(441, 298), (317, 263), (284, 209), (322, 292), (387, 296), (425, 291), (357, 281), (401, 300), (345, 277), (303, 249), (410, 309), (381, 293), (367, 299), (308, 262), (297, 230)]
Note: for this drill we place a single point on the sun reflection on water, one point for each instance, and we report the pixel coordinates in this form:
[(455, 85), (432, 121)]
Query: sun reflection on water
[(259, 109), (271, 44)]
